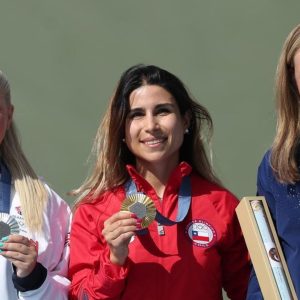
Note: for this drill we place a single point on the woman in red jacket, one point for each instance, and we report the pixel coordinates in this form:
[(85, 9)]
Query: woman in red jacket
[(176, 235)]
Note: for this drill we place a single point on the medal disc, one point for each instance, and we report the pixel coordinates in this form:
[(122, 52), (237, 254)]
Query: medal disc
[(142, 206), (8, 225)]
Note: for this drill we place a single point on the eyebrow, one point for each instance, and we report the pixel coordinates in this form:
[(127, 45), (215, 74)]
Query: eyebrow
[(156, 107), (164, 105)]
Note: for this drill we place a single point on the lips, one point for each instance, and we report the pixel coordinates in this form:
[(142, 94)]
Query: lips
[(153, 142)]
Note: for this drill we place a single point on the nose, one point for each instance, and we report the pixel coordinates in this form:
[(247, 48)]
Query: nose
[(151, 122)]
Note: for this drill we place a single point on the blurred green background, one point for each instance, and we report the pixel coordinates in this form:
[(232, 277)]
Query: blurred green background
[(63, 59)]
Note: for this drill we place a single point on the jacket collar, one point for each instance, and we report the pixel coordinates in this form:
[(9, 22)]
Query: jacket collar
[(173, 185)]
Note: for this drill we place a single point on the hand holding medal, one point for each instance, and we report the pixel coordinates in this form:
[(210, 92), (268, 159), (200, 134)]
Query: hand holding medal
[(137, 213), (118, 231), (142, 206), (21, 251)]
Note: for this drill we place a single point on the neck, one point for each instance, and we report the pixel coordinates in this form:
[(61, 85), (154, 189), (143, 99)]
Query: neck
[(156, 174)]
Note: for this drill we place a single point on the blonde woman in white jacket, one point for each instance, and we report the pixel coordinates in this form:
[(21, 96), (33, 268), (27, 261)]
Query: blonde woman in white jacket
[(34, 221)]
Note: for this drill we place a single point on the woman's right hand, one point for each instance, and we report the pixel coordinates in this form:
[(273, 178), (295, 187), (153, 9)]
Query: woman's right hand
[(117, 231), (22, 252)]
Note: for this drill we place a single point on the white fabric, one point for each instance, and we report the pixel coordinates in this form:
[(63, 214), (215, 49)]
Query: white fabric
[(53, 254)]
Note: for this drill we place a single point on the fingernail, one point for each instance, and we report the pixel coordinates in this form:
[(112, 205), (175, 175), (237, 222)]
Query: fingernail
[(139, 220), (133, 216), (1, 245), (4, 239), (138, 225)]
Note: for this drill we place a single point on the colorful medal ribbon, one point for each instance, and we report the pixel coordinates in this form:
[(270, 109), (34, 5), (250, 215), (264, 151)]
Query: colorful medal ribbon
[(184, 201), (5, 186)]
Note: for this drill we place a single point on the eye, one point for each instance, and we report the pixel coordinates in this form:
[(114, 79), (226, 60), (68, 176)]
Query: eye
[(163, 111), (135, 115)]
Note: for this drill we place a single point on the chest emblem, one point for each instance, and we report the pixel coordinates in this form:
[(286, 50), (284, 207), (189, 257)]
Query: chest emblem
[(18, 210), (201, 233)]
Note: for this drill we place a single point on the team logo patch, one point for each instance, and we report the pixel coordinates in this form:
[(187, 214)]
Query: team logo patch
[(201, 233), (18, 210)]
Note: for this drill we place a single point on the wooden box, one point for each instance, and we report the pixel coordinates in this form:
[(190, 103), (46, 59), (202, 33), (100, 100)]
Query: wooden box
[(265, 250)]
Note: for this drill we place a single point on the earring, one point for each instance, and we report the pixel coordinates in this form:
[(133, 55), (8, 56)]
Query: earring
[(123, 140), (186, 131)]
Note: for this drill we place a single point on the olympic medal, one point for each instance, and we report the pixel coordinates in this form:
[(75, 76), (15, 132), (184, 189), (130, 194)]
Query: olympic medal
[(142, 206), (8, 225)]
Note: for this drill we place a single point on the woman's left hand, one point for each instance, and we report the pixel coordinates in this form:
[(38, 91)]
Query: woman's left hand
[(21, 252)]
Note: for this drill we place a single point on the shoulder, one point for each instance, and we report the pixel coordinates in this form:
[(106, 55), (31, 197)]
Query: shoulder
[(265, 175), (216, 205), (56, 209), (101, 207), (55, 202), (264, 167), (220, 198)]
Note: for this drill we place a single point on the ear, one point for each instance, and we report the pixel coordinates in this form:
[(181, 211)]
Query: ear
[(186, 119), (10, 111)]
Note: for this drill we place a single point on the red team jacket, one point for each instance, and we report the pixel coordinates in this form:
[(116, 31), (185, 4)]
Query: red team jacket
[(192, 261)]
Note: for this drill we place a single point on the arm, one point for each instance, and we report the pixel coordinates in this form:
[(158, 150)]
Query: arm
[(235, 261), (50, 275), (92, 273)]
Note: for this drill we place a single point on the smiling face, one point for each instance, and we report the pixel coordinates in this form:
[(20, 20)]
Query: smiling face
[(154, 127), (6, 113)]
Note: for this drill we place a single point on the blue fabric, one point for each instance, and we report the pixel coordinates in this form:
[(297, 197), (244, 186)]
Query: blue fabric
[(284, 204), (5, 186)]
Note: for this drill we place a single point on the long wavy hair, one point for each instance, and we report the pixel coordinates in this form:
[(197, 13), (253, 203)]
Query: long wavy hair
[(30, 189), (112, 155), (286, 142)]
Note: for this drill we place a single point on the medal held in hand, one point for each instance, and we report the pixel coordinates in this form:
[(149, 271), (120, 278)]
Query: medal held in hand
[(8, 225), (142, 206)]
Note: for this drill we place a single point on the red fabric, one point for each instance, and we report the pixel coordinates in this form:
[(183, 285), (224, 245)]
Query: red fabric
[(174, 266)]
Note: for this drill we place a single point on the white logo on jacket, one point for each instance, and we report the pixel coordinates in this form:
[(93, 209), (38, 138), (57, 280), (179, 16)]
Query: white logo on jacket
[(20, 219), (201, 233)]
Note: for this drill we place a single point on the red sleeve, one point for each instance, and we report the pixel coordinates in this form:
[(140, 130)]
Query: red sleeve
[(92, 274), (235, 257)]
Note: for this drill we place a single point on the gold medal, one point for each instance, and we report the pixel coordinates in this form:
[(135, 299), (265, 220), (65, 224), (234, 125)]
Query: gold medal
[(8, 225), (142, 206)]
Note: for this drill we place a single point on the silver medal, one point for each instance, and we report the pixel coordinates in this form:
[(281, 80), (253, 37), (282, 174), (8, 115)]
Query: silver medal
[(8, 225)]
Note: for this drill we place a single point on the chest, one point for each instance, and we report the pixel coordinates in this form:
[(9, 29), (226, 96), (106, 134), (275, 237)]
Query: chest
[(287, 209), (194, 244)]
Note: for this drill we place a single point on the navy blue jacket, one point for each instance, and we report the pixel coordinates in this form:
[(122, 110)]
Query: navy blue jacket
[(284, 204)]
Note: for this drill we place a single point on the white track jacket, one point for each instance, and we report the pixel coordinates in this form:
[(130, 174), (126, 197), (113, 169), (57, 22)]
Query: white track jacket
[(53, 253)]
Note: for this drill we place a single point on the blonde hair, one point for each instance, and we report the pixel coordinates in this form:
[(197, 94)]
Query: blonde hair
[(32, 192), (111, 152), (286, 142)]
